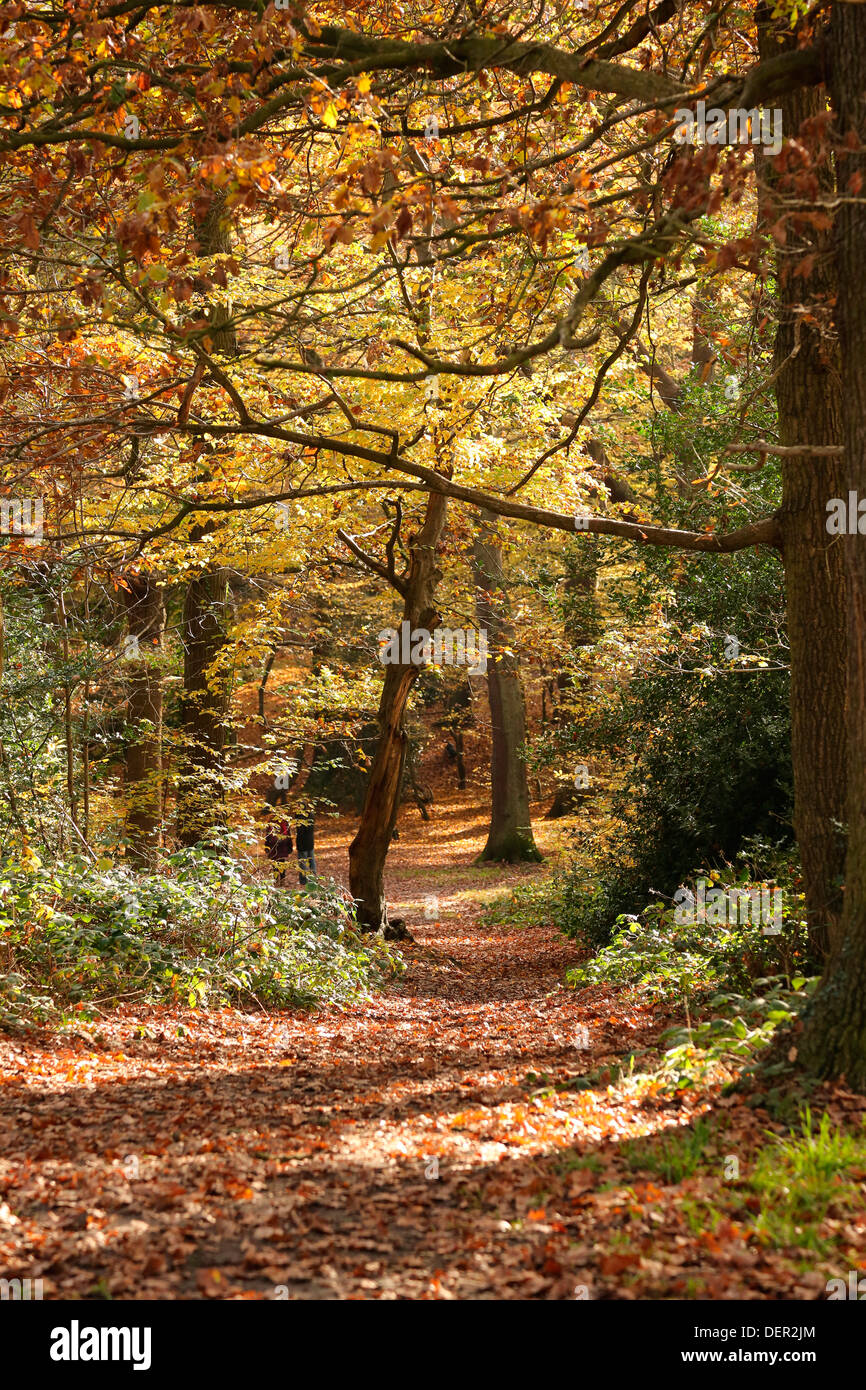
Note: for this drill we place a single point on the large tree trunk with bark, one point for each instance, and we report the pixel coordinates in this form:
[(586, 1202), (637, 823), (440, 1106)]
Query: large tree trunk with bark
[(145, 613), (833, 1040), (808, 396), (369, 849), (510, 837)]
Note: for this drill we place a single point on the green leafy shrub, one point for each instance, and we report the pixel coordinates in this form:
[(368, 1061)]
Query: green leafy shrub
[(707, 770), (670, 959), (735, 984), (739, 1028), (74, 934)]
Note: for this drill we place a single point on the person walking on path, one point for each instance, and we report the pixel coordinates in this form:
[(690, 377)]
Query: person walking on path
[(278, 848)]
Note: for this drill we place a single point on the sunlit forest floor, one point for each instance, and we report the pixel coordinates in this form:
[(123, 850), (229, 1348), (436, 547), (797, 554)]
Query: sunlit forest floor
[(463, 1134), (436, 858)]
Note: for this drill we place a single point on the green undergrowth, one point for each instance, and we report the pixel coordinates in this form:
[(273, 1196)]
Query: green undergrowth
[(531, 904), (76, 936), (717, 1047), (791, 1193), (672, 959), (731, 982)]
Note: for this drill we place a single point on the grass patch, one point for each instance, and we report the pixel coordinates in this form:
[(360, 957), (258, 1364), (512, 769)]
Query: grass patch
[(576, 1163), (802, 1180), (531, 904), (677, 1155)]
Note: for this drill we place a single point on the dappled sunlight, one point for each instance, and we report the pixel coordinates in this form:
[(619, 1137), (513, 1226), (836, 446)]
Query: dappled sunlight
[(446, 1139)]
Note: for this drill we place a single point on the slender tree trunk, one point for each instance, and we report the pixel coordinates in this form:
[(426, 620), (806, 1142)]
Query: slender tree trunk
[(263, 683), (204, 707), (422, 795), (68, 727), (460, 760), (510, 835), (145, 611), (213, 233), (4, 762), (369, 849), (833, 1040), (808, 396), (206, 686), (85, 719)]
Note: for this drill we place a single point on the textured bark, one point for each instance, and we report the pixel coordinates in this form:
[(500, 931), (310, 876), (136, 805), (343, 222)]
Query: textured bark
[(145, 613), (206, 686), (460, 760), (808, 396), (833, 1042), (369, 849), (62, 621), (204, 707), (510, 835), (214, 239), (421, 792)]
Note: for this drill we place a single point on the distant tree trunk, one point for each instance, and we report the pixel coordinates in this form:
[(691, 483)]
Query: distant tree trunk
[(704, 306), (4, 762), (85, 720), (213, 234), (369, 849), (206, 687), (457, 717), (422, 794), (204, 707), (808, 398), (145, 613), (68, 727), (460, 760), (510, 835), (263, 682), (833, 1040)]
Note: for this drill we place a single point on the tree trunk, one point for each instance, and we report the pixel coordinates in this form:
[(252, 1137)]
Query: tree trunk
[(809, 412), (68, 726), (460, 760), (833, 1041), (369, 849), (145, 611), (422, 794), (263, 682), (206, 687), (204, 706), (213, 234), (510, 835)]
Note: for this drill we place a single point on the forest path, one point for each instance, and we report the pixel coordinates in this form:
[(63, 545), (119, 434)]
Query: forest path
[(406, 1148)]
